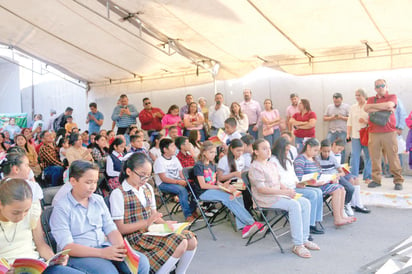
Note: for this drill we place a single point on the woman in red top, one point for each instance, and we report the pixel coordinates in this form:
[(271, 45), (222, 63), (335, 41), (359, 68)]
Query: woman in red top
[(303, 123)]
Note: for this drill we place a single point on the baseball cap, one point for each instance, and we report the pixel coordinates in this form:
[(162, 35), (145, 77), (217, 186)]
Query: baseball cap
[(337, 95)]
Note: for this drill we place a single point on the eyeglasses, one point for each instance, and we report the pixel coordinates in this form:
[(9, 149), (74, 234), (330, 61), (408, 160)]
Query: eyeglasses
[(380, 86), (147, 103), (142, 178)]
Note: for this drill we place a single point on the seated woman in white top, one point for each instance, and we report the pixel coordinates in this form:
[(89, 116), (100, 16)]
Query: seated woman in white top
[(280, 152), (21, 232)]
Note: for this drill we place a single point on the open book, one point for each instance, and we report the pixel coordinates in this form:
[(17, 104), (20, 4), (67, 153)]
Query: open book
[(131, 259), (219, 139), (239, 184), (345, 168), (327, 178), (31, 266), (309, 179), (297, 196), (236, 193), (164, 230)]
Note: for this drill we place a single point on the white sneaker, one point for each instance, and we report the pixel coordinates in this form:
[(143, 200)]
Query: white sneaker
[(348, 210)]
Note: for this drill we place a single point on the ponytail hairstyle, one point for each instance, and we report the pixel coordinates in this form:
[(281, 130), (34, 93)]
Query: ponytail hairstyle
[(14, 190), (74, 137), (156, 137), (116, 142), (136, 160), (79, 167), (255, 146), (312, 142), (235, 143), (279, 151), (14, 158), (207, 145)]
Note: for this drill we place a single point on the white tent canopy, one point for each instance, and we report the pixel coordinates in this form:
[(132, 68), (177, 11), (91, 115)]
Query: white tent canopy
[(159, 44)]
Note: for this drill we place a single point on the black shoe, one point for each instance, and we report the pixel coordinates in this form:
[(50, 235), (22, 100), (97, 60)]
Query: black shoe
[(373, 184), (315, 230), (398, 187), (362, 209), (310, 238)]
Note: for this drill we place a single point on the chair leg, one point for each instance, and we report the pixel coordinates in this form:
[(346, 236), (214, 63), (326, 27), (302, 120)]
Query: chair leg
[(164, 202)]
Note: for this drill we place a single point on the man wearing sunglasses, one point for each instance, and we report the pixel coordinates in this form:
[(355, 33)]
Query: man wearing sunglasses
[(150, 117), (383, 138)]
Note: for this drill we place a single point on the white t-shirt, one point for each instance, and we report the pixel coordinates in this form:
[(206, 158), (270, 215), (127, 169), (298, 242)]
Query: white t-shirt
[(117, 199), (287, 176), (224, 165), (234, 135), (155, 151), (171, 167)]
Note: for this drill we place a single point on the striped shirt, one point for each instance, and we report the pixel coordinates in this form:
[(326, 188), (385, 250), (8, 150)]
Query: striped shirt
[(125, 120), (329, 165), (304, 166)]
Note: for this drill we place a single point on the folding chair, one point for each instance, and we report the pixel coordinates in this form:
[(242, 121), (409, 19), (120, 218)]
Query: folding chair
[(279, 215), (209, 221), (327, 199), (48, 195), (165, 198), (45, 218)]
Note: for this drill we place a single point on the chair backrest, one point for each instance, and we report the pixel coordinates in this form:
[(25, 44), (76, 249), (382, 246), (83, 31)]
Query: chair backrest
[(48, 195), (45, 223), (107, 201), (245, 178), (188, 173)]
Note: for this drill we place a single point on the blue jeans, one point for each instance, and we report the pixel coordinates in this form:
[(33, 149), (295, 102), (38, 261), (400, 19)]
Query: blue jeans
[(243, 217), (344, 181), (54, 174), (253, 133), (355, 160), (97, 265), (299, 217), (181, 191), (332, 136), (299, 144), (315, 197), (273, 137), (59, 269)]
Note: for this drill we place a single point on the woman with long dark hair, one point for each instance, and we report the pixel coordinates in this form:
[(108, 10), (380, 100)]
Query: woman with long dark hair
[(304, 123)]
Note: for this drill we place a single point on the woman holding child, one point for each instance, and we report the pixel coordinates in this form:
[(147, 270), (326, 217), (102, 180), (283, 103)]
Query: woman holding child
[(133, 208)]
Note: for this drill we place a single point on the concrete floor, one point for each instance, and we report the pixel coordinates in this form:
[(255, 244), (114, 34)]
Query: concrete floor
[(343, 250)]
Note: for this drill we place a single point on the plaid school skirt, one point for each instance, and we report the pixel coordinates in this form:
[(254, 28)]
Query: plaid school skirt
[(158, 249)]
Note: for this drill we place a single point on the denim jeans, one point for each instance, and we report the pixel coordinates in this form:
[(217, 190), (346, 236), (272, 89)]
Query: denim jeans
[(332, 136), (243, 217), (253, 133), (299, 217), (273, 137), (181, 191), (344, 181), (299, 143), (54, 174), (315, 197), (355, 160), (97, 265), (59, 269)]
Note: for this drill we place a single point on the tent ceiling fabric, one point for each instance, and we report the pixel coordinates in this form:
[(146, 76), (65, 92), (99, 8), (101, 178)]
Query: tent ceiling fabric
[(166, 44)]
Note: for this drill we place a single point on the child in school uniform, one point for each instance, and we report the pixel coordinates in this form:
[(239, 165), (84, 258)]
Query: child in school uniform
[(133, 208), (82, 223)]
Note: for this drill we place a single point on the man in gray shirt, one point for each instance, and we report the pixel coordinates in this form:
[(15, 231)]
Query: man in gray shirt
[(337, 116)]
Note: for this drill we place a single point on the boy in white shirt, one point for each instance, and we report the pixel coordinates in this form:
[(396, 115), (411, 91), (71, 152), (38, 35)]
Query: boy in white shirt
[(169, 177), (230, 130)]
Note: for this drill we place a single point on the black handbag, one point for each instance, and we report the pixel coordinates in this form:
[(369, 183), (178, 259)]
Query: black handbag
[(380, 118)]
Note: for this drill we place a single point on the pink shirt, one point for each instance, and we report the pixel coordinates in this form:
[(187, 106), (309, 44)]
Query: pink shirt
[(252, 109), (264, 175), (291, 110), (169, 119), (270, 116), (197, 117)]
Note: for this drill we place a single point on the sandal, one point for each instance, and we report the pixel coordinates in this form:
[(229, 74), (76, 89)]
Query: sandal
[(311, 246), (301, 251)]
